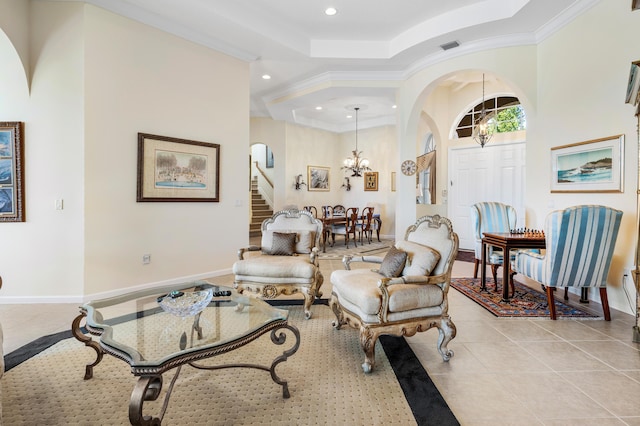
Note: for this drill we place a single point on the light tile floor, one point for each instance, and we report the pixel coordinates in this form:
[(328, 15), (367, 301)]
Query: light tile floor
[(504, 371)]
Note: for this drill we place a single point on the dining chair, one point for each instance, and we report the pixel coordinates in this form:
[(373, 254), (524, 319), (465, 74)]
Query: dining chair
[(347, 228), (312, 210), (327, 211), (580, 241), (366, 223), (339, 210)]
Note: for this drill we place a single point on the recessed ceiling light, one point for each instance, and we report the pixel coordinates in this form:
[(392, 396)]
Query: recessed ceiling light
[(266, 77), (330, 11), (394, 106), (318, 108), (349, 116)]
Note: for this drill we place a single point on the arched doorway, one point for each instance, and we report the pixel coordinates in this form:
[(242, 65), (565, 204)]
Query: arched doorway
[(262, 186)]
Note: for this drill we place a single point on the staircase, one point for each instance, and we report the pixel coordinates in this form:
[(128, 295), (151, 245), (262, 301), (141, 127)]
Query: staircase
[(260, 209)]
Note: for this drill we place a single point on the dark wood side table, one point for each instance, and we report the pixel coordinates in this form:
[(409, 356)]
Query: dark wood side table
[(507, 241)]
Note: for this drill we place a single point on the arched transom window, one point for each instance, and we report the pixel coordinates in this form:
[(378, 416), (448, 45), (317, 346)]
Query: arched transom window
[(506, 111)]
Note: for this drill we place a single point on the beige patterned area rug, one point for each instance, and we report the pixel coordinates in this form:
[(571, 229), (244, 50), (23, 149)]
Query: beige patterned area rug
[(340, 249), (325, 379)]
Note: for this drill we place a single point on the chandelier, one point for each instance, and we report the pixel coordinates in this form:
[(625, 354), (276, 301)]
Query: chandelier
[(484, 126), (355, 164)]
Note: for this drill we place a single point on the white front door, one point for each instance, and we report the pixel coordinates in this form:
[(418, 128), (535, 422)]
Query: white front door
[(493, 173)]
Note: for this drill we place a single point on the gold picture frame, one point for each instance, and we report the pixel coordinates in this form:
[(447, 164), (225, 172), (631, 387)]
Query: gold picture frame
[(592, 166), (318, 178), (370, 181), (11, 171)]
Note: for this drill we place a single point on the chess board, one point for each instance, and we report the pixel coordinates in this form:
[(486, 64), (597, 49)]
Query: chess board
[(527, 232)]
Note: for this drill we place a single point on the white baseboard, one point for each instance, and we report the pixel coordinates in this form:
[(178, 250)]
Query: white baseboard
[(80, 299)]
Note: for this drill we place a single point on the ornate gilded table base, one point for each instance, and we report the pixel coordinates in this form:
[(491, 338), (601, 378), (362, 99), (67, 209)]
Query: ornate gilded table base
[(149, 385)]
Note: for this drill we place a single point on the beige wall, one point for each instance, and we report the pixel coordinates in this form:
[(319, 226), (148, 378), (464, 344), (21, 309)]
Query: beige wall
[(572, 86), (43, 257), (98, 80), (298, 147), (582, 80)]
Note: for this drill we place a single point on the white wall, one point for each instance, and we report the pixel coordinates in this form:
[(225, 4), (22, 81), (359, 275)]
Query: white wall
[(98, 80)]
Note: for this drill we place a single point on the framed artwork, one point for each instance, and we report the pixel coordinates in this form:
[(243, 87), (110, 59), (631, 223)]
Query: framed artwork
[(269, 159), (633, 86), (370, 181), (318, 178), (393, 181), (11, 171), (591, 166), (171, 169)]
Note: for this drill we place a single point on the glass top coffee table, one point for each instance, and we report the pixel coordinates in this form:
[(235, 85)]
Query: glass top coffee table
[(156, 330)]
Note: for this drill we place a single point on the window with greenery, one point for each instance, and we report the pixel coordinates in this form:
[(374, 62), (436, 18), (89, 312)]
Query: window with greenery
[(505, 111)]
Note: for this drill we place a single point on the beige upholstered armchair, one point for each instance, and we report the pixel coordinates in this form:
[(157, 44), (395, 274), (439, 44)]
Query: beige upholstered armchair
[(407, 294), (288, 262)]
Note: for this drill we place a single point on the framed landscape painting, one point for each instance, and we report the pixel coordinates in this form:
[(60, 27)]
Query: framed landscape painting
[(318, 178), (171, 169), (591, 166), (11, 172)]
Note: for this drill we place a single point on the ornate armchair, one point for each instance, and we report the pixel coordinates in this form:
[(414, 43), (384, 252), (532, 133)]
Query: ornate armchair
[(406, 295), (579, 246), (288, 262), (491, 217)]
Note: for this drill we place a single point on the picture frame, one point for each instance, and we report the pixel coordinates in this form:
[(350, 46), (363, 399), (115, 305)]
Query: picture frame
[(12, 171), (393, 181), (177, 170), (370, 181), (592, 166), (269, 158), (633, 86), (318, 178)]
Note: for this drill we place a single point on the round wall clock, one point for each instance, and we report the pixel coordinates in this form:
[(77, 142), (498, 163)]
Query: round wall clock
[(408, 167)]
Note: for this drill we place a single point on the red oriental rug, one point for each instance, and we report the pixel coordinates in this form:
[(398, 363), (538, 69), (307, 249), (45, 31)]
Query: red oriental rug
[(526, 302)]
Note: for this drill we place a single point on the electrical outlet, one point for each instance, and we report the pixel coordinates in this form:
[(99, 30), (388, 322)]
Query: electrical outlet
[(146, 259)]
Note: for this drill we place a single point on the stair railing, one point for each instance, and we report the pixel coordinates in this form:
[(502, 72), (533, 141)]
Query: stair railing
[(265, 186)]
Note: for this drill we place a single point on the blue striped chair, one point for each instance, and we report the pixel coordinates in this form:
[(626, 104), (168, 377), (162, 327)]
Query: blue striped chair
[(491, 217), (579, 247)]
